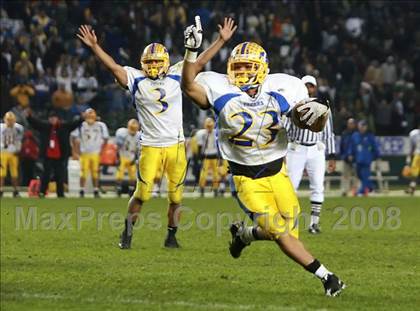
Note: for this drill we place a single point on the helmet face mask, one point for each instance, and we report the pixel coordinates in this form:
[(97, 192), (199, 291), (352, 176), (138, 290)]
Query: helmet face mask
[(155, 61), (247, 66)]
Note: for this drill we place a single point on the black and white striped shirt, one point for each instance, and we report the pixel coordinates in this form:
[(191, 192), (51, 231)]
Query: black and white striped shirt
[(307, 137)]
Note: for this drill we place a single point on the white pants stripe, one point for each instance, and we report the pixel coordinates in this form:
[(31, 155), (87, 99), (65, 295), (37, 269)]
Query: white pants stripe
[(311, 158)]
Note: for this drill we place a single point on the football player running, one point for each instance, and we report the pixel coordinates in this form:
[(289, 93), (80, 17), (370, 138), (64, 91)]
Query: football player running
[(249, 105), (127, 142), (157, 97)]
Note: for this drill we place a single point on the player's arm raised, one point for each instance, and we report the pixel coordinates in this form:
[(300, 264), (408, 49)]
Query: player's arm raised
[(88, 37), (193, 65)]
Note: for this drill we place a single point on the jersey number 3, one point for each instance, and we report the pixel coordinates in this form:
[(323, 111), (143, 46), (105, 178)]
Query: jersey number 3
[(247, 121), (161, 100)]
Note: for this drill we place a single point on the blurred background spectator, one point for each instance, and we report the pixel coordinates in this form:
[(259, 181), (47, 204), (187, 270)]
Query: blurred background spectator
[(366, 53)]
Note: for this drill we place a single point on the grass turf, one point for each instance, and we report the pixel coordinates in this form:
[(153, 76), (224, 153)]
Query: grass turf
[(47, 267)]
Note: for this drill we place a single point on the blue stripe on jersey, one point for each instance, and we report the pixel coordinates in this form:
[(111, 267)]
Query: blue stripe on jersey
[(175, 77), (134, 90), (222, 101), (284, 105)]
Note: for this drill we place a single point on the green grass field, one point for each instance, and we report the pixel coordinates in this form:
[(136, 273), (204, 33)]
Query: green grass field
[(51, 263)]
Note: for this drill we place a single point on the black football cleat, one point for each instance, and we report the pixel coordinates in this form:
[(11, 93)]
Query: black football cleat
[(125, 241), (333, 285), (16, 194), (96, 194), (236, 245), (314, 229), (82, 193), (171, 242)]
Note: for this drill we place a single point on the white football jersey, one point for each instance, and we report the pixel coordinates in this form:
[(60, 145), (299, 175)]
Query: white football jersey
[(207, 142), (250, 131), (159, 106), (415, 141), (11, 137), (128, 144), (91, 137)]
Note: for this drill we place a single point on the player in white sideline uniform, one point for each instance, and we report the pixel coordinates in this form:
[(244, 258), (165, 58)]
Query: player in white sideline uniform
[(88, 139), (307, 150), (250, 105), (207, 150), (128, 139), (11, 135), (413, 159)]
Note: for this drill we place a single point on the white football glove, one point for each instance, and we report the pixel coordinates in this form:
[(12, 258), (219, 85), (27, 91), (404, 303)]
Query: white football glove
[(315, 110), (193, 35)]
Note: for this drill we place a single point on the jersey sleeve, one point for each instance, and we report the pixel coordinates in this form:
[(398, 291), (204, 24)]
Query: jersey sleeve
[(75, 133), (286, 90), (105, 131), (119, 136), (176, 69), (133, 77), (199, 138), (212, 83)]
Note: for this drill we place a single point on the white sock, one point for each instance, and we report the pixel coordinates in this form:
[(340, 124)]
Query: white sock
[(322, 272), (96, 189), (314, 220), (315, 212), (246, 235)]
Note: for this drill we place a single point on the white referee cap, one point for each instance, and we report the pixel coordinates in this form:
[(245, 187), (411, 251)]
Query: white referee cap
[(309, 79)]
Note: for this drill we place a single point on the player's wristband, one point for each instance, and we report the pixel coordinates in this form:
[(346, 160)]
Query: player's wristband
[(190, 56)]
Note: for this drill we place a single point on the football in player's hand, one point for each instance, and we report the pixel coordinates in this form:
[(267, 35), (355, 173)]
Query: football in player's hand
[(317, 126)]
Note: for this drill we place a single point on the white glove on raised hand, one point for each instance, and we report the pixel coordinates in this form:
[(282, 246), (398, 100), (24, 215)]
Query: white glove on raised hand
[(315, 110), (193, 35)]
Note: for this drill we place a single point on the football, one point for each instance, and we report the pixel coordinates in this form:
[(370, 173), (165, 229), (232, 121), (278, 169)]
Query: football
[(318, 125)]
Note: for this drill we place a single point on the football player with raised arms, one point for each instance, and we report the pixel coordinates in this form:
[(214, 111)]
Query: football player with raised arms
[(157, 97), (250, 106)]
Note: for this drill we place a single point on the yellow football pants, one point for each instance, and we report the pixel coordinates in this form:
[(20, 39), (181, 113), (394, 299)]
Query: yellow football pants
[(209, 165), (415, 166), (271, 201), (126, 165), (89, 163), (173, 161), (9, 162)]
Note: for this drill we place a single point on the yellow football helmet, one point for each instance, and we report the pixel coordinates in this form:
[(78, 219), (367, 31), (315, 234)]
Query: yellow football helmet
[(133, 126), (209, 124), (247, 65), (90, 116), (155, 60), (9, 118)]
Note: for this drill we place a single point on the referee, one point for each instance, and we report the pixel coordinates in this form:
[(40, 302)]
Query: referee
[(308, 150)]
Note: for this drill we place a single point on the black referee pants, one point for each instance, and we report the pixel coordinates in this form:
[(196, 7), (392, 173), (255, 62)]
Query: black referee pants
[(58, 168)]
